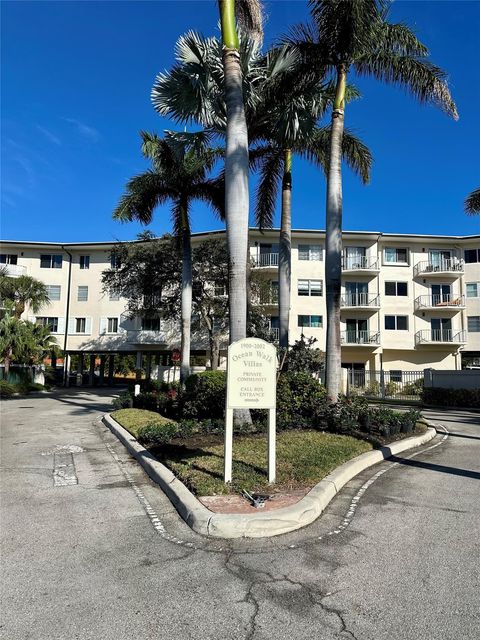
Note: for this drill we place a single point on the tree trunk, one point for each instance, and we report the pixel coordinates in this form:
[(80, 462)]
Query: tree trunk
[(214, 352), (186, 303), (333, 241), (236, 174), (285, 251)]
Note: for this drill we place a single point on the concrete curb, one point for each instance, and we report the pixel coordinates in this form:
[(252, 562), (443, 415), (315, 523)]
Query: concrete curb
[(265, 524)]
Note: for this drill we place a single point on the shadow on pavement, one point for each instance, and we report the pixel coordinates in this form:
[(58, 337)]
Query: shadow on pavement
[(436, 467)]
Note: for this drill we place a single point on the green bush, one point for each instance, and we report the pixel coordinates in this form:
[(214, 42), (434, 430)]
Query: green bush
[(413, 388), (452, 397), (188, 428), (157, 433), (6, 389), (204, 395), (391, 388), (124, 401), (301, 401), (150, 400)]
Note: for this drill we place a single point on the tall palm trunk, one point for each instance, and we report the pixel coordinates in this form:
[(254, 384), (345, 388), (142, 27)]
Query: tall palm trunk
[(236, 174), (186, 301), (333, 241), (285, 251)]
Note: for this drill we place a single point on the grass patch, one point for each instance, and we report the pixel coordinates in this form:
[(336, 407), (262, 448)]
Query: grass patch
[(134, 420), (303, 459)]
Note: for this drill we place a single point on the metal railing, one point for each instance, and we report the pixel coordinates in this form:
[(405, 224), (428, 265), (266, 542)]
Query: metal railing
[(360, 300), (145, 336), (432, 336), (275, 331), (359, 263), (394, 385), (360, 337), (440, 301), (267, 260), (269, 297), (447, 265)]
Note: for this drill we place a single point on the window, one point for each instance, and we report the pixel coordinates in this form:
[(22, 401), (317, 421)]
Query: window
[(113, 296), (310, 287), (396, 255), (473, 289), (473, 324), (396, 323), (80, 325), (310, 252), (112, 325), (8, 258), (396, 288), (51, 323), (84, 262), (472, 255), (82, 294), (310, 321), (395, 376), (50, 261), (54, 291), (220, 289), (151, 324), (114, 261)]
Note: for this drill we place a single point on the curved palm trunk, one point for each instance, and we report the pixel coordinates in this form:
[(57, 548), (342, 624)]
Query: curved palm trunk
[(236, 174), (333, 242), (186, 304), (285, 251)]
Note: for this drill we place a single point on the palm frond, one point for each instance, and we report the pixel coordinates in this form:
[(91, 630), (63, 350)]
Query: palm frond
[(212, 192), (357, 155), (144, 192), (472, 203), (271, 173)]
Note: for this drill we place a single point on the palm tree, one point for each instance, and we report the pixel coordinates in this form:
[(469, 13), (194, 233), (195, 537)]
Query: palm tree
[(472, 203), (346, 36), (179, 173), (23, 291), (288, 114)]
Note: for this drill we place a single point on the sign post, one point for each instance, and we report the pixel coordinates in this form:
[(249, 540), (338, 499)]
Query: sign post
[(251, 384)]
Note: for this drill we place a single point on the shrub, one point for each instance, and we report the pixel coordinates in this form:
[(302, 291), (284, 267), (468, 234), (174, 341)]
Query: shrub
[(205, 395), (413, 388), (157, 433), (6, 389), (150, 400), (391, 388), (124, 401), (452, 397), (301, 401), (188, 428)]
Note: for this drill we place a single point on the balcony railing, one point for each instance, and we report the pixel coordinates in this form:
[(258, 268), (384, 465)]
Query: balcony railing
[(435, 336), (13, 270), (144, 336), (267, 260), (359, 263), (360, 337), (360, 300), (447, 265), (269, 297), (440, 301)]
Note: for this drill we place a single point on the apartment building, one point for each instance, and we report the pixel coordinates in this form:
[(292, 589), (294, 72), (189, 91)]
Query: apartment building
[(408, 302)]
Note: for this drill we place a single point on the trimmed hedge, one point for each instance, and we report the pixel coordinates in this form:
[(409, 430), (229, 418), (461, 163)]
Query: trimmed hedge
[(6, 389), (452, 397), (204, 396)]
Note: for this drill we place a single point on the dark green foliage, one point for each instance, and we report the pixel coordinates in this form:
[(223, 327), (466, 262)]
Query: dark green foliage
[(157, 433), (204, 395), (189, 428), (452, 397), (151, 401), (6, 389), (304, 357), (301, 400), (124, 401)]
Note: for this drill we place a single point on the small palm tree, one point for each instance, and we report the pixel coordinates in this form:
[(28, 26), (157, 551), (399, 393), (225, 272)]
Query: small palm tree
[(472, 203), (22, 292), (179, 174), (342, 37)]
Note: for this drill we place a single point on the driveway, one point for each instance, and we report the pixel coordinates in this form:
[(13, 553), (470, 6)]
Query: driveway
[(92, 549)]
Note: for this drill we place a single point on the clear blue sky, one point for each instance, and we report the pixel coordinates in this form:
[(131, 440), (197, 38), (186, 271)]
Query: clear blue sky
[(76, 83)]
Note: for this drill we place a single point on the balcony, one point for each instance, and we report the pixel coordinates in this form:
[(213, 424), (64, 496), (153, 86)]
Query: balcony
[(360, 301), (13, 270), (360, 338), (440, 337), (267, 260), (360, 264), (269, 298), (441, 301), (145, 337), (445, 267)]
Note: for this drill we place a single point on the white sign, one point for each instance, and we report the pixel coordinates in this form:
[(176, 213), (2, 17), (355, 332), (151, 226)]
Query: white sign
[(251, 374), (251, 384)]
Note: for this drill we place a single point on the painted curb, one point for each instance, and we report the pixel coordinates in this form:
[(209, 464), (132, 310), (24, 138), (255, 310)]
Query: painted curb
[(265, 524)]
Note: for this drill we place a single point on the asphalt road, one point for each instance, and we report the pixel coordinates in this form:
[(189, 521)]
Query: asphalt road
[(108, 558)]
